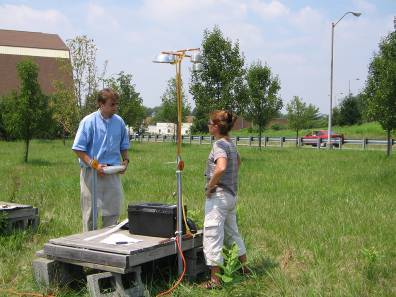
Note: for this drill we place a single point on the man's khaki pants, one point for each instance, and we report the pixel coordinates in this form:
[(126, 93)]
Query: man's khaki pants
[(108, 197)]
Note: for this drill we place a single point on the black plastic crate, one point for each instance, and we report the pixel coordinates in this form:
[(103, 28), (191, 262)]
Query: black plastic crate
[(153, 219)]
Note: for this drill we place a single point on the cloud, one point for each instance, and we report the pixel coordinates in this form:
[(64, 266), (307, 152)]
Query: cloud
[(273, 9), (365, 6), (308, 19), (101, 18), (188, 12), (22, 17)]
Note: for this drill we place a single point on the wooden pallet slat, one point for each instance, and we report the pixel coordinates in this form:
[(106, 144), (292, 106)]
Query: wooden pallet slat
[(85, 255)]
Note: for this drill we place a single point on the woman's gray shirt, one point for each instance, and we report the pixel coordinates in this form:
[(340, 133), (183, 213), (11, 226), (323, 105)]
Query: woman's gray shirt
[(229, 180)]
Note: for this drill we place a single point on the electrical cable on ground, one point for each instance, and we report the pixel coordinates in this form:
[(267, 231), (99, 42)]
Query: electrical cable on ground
[(181, 275)]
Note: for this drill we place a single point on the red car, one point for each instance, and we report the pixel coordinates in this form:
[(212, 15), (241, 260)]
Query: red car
[(323, 135)]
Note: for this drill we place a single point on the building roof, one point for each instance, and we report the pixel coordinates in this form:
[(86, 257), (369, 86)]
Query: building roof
[(47, 50), (31, 40)]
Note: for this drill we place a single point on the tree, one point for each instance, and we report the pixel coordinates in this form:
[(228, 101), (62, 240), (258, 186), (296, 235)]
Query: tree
[(131, 107), (300, 115), (168, 109), (83, 57), (220, 84), (380, 90), (28, 114), (151, 111), (64, 109), (263, 100), (335, 116), (350, 111)]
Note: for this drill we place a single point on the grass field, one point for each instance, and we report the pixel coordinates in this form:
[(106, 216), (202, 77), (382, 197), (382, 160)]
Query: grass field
[(371, 130), (316, 222)]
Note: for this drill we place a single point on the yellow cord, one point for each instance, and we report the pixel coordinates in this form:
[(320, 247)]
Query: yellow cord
[(188, 231)]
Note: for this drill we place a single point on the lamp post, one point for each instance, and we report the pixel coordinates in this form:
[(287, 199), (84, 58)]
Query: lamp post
[(356, 14), (176, 58), (349, 86)]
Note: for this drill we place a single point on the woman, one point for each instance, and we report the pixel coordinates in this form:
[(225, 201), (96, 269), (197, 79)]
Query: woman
[(220, 227)]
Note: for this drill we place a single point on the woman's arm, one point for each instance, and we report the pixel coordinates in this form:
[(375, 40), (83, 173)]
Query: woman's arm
[(221, 165)]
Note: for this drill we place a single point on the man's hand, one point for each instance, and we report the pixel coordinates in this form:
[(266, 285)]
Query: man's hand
[(99, 169), (125, 163)]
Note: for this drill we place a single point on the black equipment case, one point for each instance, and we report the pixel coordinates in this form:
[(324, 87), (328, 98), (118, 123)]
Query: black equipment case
[(153, 219)]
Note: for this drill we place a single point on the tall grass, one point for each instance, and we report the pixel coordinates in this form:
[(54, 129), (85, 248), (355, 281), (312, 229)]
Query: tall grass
[(311, 219)]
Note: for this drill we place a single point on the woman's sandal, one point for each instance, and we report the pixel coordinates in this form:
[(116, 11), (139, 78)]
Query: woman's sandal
[(210, 285), (246, 271)]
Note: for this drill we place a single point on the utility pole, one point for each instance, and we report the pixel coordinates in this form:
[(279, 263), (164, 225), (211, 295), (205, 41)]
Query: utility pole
[(394, 23)]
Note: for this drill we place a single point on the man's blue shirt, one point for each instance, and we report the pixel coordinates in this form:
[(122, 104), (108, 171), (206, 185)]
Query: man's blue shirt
[(102, 139)]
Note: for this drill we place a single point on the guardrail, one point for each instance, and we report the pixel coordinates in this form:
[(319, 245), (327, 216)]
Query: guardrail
[(268, 141)]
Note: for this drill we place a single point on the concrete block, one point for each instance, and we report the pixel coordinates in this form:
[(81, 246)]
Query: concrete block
[(53, 273), (195, 262), (109, 284)]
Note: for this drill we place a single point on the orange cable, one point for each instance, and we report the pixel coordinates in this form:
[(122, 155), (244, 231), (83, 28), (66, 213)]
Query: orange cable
[(181, 276)]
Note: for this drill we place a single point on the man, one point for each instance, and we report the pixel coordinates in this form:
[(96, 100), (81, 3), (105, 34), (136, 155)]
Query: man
[(100, 141)]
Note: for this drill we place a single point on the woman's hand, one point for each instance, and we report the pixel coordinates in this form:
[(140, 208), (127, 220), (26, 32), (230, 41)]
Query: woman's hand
[(210, 191)]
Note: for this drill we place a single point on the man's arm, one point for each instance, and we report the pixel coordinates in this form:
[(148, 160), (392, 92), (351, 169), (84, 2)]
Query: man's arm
[(87, 160), (125, 159), (84, 157)]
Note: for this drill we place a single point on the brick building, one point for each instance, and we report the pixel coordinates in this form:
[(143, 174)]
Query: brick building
[(47, 50)]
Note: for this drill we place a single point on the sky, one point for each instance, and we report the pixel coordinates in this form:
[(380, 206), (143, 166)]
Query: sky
[(293, 37)]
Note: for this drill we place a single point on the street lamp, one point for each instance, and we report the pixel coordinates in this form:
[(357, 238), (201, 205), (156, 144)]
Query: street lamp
[(349, 86), (176, 58), (356, 14)]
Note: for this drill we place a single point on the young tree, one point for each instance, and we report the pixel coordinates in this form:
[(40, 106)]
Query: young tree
[(64, 109), (380, 90), (300, 115), (28, 114), (168, 110), (7, 106), (263, 100), (335, 115), (220, 84), (350, 111), (131, 107), (83, 57)]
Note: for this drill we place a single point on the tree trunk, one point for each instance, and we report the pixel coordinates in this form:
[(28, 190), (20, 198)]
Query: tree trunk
[(27, 141), (297, 139), (388, 150), (260, 137), (64, 137)]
